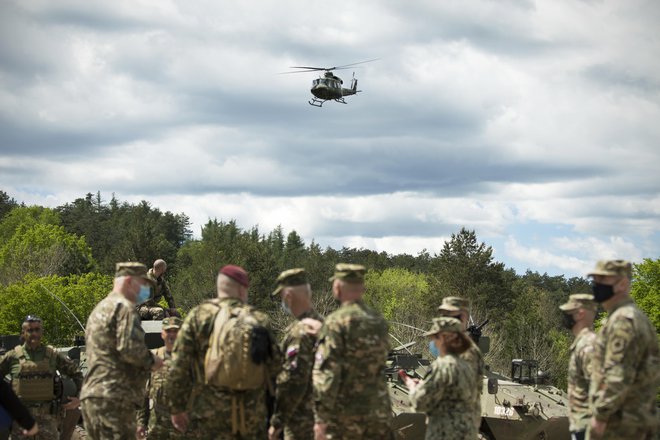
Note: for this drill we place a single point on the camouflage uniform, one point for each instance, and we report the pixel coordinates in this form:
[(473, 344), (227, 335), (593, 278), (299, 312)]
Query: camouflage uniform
[(150, 309), (119, 364), (447, 394), (350, 391), (13, 362), (213, 411), (294, 409), (626, 374), (155, 414), (579, 373)]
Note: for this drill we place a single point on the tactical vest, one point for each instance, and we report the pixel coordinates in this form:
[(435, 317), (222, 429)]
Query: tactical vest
[(34, 382)]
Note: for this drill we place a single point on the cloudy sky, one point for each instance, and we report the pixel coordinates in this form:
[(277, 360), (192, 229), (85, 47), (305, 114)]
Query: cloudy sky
[(535, 123)]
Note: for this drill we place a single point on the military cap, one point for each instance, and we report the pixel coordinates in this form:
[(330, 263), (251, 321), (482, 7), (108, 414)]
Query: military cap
[(579, 301), (445, 324), (351, 273), (291, 277), (617, 268), (454, 304), (172, 322), (133, 269), (236, 273)]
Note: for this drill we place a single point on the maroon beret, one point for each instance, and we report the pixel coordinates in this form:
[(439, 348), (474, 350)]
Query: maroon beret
[(237, 274)]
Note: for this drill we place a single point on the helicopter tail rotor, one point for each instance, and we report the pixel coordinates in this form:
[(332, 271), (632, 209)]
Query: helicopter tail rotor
[(354, 84)]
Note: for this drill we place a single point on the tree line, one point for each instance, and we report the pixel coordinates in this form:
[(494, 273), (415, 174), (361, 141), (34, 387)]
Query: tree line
[(54, 259)]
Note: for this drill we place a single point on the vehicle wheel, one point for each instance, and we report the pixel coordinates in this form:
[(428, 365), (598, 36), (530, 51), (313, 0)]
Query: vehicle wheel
[(79, 433)]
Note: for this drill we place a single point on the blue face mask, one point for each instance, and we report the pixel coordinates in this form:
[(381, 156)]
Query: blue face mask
[(433, 349), (286, 308), (144, 294)]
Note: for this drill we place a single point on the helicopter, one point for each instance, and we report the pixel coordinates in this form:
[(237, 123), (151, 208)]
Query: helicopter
[(329, 86)]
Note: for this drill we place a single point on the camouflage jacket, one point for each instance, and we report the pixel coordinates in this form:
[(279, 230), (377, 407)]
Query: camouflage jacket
[(447, 395), (475, 359), (349, 365), (185, 387), (155, 402), (117, 358), (161, 290), (626, 371), (10, 363), (294, 399), (579, 373)]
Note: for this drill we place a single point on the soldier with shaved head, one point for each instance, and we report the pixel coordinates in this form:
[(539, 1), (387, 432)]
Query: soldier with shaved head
[(151, 308)]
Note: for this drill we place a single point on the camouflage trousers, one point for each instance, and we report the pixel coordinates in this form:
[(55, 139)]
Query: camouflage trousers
[(107, 419), (224, 415), (155, 313), (47, 425), (299, 429), (619, 432), (161, 428), (359, 428)]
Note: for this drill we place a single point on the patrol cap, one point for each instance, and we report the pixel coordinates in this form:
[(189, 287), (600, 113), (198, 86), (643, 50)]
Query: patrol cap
[(351, 273), (172, 322), (579, 301), (617, 268), (133, 269), (454, 304), (236, 273), (445, 324), (291, 277)]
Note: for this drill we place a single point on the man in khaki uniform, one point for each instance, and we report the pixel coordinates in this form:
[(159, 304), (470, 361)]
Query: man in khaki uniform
[(455, 307), (154, 417), (626, 370), (151, 308), (579, 314), (32, 367), (117, 357), (294, 407)]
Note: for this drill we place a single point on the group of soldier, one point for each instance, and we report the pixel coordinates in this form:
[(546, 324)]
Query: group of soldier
[(324, 379)]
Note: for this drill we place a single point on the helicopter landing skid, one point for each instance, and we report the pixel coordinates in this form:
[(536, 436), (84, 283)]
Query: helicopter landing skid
[(319, 102)]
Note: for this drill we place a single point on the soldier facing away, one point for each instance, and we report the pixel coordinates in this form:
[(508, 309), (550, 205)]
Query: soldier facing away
[(117, 357), (455, 307), (150, 309), (209, 395), (32, 367), (447, 395), (350, 391), (154, 417), (626, 370), (579, 313), (294, 405)]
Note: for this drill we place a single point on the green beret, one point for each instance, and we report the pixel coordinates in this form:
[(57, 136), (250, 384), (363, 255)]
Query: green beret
[(291, 277), (454, 304), (134, 269), (172, 322), (579, 301), (617, 268), (351, 273), (444, 324)]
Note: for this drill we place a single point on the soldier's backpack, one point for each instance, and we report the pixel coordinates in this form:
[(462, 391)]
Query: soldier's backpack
[(238, 348)]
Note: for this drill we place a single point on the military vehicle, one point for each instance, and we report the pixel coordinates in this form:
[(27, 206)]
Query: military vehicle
[(520, 407)]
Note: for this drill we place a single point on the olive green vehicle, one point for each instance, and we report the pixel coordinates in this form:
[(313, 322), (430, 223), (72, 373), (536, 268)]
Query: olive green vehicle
[(519, 407)]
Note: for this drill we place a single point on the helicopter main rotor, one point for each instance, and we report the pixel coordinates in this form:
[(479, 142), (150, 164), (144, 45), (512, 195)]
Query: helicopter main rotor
[(327, 69)]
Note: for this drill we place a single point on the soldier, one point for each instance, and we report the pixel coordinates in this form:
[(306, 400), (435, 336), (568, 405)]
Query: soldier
[(117, 357), (155, 414), (294, 407), (579, 314), (32, 368), (448, 393), (455, 307), (150, 309), (350, 392), (199, 406), (626, 371)]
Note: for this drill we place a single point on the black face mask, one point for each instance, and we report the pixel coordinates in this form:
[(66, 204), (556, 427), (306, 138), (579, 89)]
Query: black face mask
[(602, 292), (568, 321)]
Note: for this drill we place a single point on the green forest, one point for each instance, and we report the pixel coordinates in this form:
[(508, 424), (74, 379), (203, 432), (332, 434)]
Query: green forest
[(57, 258)]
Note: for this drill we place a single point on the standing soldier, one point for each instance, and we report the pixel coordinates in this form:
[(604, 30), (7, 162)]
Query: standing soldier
[(455, 307), (32, 368), (350, 392), (626, 370), (294, 406), (224, 360), (150, 309), (155, 414), (117, 357)]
